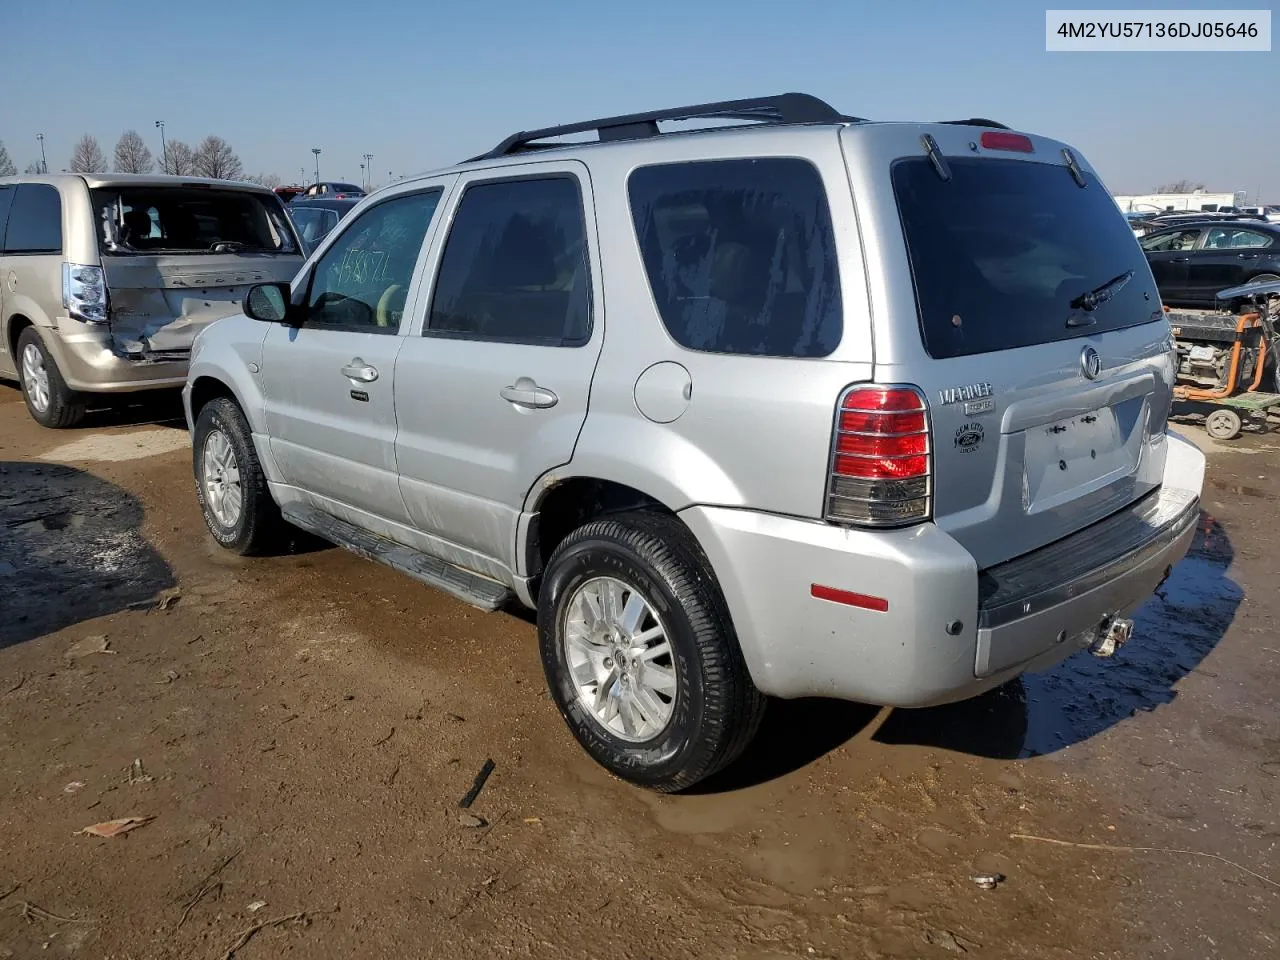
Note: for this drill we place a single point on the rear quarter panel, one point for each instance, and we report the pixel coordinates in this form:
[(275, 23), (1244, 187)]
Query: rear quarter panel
[(756, 431)]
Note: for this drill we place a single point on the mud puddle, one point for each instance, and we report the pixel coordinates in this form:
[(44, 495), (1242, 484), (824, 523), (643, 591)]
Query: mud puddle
[(1040, 714), (70, 550)]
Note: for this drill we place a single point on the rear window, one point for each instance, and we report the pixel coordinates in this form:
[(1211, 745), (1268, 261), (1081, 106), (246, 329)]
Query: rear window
[(35, 220), (148, 220), (314, 223), (740, 255), (999, 252), (346, 188)]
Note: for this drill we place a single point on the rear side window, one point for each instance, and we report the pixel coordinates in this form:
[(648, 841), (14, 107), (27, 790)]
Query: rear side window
[(1000, 252), (1226, 238), (35, 220), (740, 255), (514, 268)]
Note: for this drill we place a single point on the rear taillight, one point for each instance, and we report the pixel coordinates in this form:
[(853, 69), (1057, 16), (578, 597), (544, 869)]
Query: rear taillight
[(84, 292), (880, 458)]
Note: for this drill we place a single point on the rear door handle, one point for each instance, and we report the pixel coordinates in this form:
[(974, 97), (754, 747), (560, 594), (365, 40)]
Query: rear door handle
[(357, 369), (1247, 256), (525, 392), (1179, 259)]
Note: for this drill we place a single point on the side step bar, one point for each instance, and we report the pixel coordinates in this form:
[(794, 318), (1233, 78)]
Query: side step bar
[(467, 586)]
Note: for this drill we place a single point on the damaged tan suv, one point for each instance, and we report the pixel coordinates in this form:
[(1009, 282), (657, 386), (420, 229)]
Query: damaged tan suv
[(105, 279)]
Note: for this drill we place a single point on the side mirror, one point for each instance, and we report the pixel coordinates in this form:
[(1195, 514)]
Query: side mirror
[(268, 302)]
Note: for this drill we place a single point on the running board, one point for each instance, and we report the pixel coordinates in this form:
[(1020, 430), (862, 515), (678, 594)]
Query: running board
[(467, 586)]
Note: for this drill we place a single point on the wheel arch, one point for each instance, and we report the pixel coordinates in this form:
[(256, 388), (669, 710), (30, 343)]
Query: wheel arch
[(13, 330), (559, 504)]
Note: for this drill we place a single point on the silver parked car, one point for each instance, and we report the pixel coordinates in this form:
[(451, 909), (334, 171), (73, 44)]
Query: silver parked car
[(805, 406), (105, 279)]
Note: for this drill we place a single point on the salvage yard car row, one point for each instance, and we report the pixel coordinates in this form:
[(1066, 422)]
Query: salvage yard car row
[(660, 390)]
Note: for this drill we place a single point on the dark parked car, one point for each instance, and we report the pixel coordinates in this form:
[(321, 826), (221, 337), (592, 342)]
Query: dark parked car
[(1193, 261), (332, 190), (315, 217)]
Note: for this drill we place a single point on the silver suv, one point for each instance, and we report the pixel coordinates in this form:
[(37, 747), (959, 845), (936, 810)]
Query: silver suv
[(805, 406), (106, 278)]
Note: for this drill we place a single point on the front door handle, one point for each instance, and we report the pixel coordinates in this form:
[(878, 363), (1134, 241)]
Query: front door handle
[(1179, 259), (357, 369), (526, 393)]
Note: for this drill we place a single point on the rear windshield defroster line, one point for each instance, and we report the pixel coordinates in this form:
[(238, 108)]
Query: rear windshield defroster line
[(1002, 254)]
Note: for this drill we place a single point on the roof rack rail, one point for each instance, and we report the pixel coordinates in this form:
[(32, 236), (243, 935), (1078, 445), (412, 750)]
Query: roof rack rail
[(978, 122), (784, 108)]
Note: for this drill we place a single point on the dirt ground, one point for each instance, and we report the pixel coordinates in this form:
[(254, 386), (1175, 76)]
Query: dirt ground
[(302, 729)]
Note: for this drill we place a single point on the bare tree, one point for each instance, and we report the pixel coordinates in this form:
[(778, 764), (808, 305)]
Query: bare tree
[(132, 155), (88, 157), (215, 159), (7, 169), (179, 160), (33, 168), (268, 180), (1180, 186)]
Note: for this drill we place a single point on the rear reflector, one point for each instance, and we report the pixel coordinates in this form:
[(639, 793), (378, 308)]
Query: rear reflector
[(849, 598), (1000, 140), (880, 458)]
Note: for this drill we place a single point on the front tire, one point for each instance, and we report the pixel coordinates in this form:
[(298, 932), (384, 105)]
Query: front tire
[(50, 401), (640, 653), (230, 484)]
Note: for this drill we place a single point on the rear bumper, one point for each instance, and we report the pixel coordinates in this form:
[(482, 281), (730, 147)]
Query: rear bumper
[(86, 358), (949, 632)]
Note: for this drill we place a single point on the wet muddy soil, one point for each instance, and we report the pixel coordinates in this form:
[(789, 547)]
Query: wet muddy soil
[(302, 729)]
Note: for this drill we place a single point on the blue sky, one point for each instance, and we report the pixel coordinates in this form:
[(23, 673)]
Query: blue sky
[(420, 85)]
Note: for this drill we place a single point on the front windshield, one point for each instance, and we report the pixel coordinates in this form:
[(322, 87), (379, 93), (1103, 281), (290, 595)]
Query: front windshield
[(183, 219)]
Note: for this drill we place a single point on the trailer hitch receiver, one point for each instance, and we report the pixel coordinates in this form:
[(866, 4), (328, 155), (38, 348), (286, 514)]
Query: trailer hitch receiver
[(1113, 633)]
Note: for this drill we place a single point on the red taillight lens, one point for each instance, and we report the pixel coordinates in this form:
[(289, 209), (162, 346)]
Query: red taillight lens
[(881, 398), (881, 468), (855, 421), (1000, 140), (880, 458), (868, 445)]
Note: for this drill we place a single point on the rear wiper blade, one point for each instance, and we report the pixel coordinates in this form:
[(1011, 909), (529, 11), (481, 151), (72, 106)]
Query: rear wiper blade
[(1092, 299)]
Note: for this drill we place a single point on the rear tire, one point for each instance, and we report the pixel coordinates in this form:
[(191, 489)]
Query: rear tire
[(230, 484), (692, 704), (50, 401)]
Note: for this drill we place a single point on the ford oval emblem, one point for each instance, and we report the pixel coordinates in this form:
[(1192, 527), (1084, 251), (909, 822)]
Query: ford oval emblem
[(1090, 363)]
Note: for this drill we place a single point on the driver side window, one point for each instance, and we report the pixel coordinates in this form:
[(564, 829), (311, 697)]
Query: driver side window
[(362, 281), (1167, 242)]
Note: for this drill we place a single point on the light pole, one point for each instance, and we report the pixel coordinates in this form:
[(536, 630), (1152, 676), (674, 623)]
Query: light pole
[(363, 180), (164, 149), (368, 159), (44, 164), (316, 151)]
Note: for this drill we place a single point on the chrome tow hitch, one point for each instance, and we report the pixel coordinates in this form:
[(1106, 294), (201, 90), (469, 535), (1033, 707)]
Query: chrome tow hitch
[(1113, 633)]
